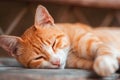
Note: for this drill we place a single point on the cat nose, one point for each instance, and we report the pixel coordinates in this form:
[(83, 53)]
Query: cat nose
[(56, 62)]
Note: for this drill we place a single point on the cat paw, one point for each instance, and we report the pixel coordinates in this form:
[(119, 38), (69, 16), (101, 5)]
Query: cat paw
[(105, 65)]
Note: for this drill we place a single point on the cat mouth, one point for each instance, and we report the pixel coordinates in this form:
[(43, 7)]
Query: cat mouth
[(60, 66)]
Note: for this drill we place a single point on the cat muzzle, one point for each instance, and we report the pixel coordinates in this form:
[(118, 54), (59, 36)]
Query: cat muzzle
[(57, 62)]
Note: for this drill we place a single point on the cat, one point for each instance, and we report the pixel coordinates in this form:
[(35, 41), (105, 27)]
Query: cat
[(60, 45)]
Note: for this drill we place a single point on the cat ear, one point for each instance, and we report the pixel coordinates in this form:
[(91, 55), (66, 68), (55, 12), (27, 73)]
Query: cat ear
[(9, 43), (42, 17)]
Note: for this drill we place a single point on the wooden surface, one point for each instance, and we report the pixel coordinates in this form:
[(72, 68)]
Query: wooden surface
[(11, 70), (115, 4)]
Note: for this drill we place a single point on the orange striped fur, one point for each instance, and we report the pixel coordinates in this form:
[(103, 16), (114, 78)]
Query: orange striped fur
[(50, 45)]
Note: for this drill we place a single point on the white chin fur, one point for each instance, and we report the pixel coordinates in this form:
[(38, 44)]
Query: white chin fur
[(46, 64), (60, 54)]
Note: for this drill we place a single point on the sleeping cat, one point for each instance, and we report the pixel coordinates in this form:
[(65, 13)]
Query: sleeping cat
[(50, 45)]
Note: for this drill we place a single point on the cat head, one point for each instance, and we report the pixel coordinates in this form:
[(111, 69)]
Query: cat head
[(43, 45)]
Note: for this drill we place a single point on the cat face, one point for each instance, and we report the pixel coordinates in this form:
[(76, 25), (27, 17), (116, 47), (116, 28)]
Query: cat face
[(43, 45), (43, 48)]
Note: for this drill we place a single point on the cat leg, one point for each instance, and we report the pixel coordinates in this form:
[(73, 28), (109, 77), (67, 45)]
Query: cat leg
[(74, 61), (91, 47), (106, 61)]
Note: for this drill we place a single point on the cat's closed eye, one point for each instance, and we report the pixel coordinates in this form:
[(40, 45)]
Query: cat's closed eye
[(53, 43), (39, 57)]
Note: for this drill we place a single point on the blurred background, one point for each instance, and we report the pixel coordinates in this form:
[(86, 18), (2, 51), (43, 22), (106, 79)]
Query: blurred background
[(17, 15)]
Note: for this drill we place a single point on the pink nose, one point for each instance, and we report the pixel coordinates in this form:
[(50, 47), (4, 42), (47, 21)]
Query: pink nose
[(57, 62)]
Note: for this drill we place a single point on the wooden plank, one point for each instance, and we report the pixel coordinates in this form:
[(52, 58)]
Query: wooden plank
[(52, 74), (1, 31), (9, 62), (107, 20), (17, 19), (20, 73), (80, 16), (115, 4), (87, 3)]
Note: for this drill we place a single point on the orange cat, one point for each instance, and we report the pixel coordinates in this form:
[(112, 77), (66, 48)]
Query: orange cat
[(49, 45)]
